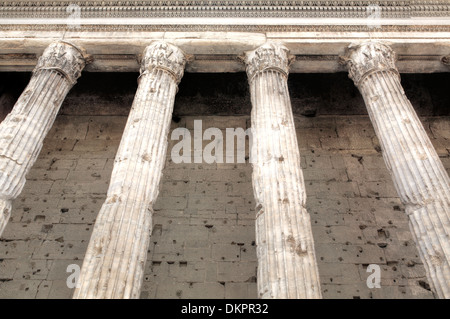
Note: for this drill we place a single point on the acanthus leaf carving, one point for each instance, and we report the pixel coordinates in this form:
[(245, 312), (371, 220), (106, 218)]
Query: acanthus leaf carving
[(270, 56), (65, 58), (164, 56), (365, 58)]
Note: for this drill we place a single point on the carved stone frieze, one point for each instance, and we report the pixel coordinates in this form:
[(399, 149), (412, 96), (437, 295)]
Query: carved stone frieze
[(224, 8), (224, 28)]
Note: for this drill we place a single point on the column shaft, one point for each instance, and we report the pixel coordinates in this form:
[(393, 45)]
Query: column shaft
[(418, 174), (114, 263), (22, 132), (285, 248)]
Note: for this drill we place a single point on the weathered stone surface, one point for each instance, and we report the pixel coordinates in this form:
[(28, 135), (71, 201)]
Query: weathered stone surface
[(419, 177), (24, 129), (114, 263), (357, 211), (285, 247)]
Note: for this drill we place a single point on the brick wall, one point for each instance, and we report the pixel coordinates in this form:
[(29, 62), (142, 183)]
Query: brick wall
[(203, 241)]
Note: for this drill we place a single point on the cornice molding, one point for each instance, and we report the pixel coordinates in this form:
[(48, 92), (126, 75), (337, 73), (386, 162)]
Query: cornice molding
[(223, 28), (122, 26), (225, 3), (225, 8)]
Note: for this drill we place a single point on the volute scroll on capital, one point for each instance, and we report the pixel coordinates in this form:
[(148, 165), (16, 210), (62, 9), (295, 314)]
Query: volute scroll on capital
[(166, 57), (269, 56), (363, 59), (65, 58)]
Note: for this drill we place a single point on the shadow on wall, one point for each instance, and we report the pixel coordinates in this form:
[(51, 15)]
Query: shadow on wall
[(227, 94)]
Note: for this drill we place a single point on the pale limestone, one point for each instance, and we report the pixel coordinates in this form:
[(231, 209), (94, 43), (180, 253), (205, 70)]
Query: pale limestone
[(114, 263), (24, 129), (287, 265), (420, 179)]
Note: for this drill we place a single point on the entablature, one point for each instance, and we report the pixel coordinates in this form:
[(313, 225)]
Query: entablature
[(216, 33)]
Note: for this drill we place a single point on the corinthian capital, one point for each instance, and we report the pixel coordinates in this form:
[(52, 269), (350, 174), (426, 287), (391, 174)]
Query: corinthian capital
[(366, 58), (270, 56), (166, 57), (63, 57)]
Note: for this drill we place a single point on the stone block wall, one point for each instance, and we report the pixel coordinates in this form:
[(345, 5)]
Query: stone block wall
[(203, 240)]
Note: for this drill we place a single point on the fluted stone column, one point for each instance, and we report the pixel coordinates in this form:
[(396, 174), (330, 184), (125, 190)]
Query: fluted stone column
[(24, 129), (114, 263), (418, 174), (285, 248)]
